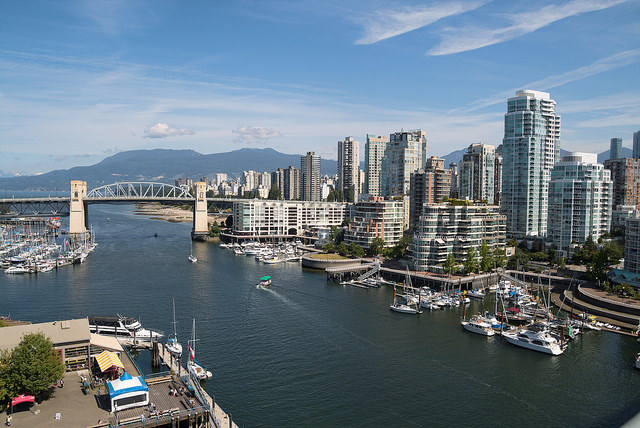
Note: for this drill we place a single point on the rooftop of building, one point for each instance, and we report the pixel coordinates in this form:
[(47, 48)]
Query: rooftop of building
[(60, 332)]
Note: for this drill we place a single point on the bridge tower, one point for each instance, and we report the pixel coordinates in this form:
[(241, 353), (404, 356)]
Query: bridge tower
[(78, 220), (200, 223)]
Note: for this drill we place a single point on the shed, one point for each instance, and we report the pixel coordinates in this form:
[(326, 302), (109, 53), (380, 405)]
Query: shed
[(127, 392)]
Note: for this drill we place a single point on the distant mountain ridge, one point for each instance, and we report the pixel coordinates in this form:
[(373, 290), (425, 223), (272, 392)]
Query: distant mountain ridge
[(162, 165)]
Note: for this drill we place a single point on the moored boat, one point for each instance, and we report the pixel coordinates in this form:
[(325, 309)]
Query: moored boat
[(477, 324), (121, 326), (537, 340)]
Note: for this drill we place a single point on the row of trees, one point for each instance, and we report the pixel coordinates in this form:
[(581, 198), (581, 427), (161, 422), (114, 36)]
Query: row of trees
[(32, 367), (336, 244), (476, 261)]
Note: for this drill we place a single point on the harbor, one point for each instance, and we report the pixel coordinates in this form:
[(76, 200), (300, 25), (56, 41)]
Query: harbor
[(286, 355)]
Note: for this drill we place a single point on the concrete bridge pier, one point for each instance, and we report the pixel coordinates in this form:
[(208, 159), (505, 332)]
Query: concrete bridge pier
[(200, 223), (78, 219)]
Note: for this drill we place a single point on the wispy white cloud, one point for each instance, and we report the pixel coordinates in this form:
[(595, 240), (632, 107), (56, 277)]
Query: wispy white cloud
[(162, 130), (384, 24), (247, 133), (456, 40)]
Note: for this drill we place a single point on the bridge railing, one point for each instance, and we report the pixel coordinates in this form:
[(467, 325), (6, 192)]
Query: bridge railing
[(139, 190)]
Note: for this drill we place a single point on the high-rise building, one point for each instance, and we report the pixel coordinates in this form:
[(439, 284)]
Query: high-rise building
[(580, 193), (406, 153), (349, 166), (428, 186), (310, 179), (615, 149), (636, 145), (453, 168), (291, 190), (374, 150), (497, 177), (625, 174), (375, 218), (445, 228), (530, 147), (632, 244), (277, 180), (477, 173)]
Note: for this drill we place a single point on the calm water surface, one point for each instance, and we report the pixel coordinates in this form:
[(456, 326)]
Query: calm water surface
[(315, 354)]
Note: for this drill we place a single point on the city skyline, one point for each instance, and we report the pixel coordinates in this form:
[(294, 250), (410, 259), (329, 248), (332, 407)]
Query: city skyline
[(82, 81)]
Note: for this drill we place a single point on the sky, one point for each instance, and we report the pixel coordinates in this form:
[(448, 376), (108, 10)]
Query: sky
[(81, 80)]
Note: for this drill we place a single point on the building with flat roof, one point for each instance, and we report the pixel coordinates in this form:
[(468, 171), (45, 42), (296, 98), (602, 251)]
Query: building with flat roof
[(310, 178), (429, 185), (406, 152), (625, 174), (349, 166), (375, 218), (477, 172), (580, 193), (374, 150), (615, 148), (447, 228)]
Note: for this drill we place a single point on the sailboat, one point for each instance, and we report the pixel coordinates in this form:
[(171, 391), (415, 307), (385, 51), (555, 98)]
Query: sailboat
[(196, 369), (173, 346), (192, 258), (409, 306)]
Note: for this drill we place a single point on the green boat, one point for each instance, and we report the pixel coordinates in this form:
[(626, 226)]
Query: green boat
[(265, 281)]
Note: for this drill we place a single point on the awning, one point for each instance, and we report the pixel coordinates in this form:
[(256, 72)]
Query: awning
[(107, 360), (127, 384), (23, 399)]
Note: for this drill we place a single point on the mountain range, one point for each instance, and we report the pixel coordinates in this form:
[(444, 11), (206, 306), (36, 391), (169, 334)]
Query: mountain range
[(165, 166)]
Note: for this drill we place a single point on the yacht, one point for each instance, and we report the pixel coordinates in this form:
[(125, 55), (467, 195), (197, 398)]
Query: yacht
[(477, 324), (173, 346), (538, 340), (196, 370), (121, 326)]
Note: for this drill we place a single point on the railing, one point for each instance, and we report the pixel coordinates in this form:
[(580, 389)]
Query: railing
[(139, 190)]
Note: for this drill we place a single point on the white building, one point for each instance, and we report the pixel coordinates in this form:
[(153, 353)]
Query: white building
[(477, 172), (273, 218), (580, 194), (310, 178), (530, 147), (445, 228), (406, 152), (373, 153)]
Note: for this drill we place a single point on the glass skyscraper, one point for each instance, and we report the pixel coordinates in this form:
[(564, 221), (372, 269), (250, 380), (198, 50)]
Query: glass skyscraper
[(530, 147)]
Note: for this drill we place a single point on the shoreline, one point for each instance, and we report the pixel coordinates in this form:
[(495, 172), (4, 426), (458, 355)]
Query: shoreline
[(172, 214)]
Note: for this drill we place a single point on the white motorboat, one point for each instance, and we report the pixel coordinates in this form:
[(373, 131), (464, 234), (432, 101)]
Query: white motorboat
[(195, 369), (192, 258), (121, 326), (477, 293), (538, 340), (404, 308), (173, 346), (477, 324), (18, 269)]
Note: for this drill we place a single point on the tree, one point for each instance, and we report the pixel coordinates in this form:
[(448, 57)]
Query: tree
[(34, 364), (519, 260), (330, 247), (331, 197), (449, 264), (229, 222), (275, 193), (486, 258), (499, 258), (471, 261), (376, 246), (400, 249), (356, 250), (7, 387), (215, 229), (349, 195)]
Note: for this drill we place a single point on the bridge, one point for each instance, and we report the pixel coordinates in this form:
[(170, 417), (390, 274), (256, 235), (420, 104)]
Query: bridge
[(77, 205)]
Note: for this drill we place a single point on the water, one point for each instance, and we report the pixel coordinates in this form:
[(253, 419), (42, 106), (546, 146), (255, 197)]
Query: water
[(312, 353)]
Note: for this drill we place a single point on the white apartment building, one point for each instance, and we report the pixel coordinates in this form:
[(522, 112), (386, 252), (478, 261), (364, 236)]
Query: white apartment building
[(376, 218), (273, 218), (373, 153), (580, 195), (445, 228)]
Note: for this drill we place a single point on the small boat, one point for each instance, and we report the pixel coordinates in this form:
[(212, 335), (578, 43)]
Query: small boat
[(192, 258), (410, 306), (19, 269), (265, 282), (477, 324), (638, 360), (477, 293), (173, 346), (196, 369)]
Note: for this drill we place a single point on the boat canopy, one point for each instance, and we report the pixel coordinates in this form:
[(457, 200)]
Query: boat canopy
[(23, 399), (265, 278), (107, 360)]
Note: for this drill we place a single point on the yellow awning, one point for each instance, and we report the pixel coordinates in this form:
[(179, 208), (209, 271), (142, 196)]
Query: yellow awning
[(107, 359)]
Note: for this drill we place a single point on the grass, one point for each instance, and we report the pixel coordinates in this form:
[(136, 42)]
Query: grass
[(328, 256)]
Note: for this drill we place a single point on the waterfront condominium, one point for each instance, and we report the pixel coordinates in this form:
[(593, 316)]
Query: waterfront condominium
[(375, 218), (349, 166), (636, 145), (310, 179), (497, 177), (446, 228), (477, 172), (625, 174), (374, 150), (615, 149), (530, 147), (580, 193), (433, 184), (406, 152)]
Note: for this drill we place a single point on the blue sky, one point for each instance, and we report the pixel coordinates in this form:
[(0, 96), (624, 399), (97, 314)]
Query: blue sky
[(82, 80)]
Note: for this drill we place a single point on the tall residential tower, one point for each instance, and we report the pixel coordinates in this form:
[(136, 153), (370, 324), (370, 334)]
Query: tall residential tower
[(349, 166), (374, 150), (530, 147)]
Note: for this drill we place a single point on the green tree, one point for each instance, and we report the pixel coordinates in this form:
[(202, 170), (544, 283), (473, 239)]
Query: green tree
[(349, 195), (499, 257), (8, 388), (329, 247), (34, 364), (215, 229), (342, 249), (331, 197), (229, 222), (275, 193), (449, 264), (376, 246), (519, 260), (356, 250), (486, 257), (471, 260)]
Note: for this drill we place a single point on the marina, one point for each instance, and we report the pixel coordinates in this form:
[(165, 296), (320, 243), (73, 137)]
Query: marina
[(283, 356)]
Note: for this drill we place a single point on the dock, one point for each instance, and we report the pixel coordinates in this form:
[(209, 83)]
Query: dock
[(219, 417)]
